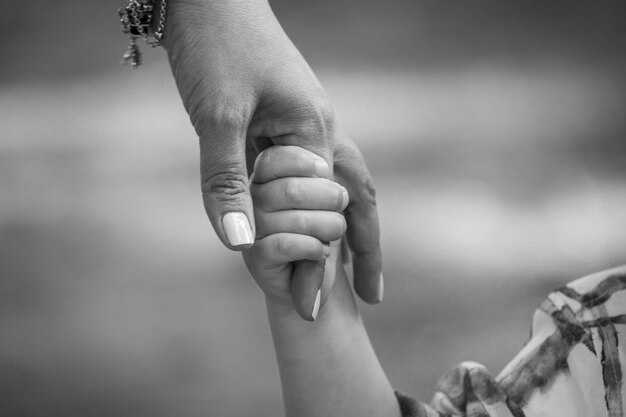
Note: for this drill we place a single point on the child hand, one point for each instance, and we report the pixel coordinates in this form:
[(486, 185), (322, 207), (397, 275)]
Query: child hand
[(298, 215)]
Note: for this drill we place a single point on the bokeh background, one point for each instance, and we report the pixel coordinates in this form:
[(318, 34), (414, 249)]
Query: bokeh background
[(494, 131)]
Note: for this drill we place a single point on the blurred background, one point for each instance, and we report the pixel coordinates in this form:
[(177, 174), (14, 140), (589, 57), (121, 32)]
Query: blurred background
[(494, 132)]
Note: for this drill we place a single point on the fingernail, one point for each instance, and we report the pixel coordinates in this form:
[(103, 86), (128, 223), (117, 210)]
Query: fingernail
[(316, 305), (326, 250), (345, 199), (237, 229), (381, 289), (321, 168)]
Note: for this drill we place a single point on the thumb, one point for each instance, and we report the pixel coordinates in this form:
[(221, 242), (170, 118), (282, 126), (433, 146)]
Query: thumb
[(306, 284), (225, 188), (220, 114)]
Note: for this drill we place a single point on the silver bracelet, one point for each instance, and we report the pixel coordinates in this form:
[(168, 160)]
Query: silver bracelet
[(136, 19)]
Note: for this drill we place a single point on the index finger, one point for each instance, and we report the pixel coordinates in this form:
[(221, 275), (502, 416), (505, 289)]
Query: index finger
[(363, 233), (288, 161)]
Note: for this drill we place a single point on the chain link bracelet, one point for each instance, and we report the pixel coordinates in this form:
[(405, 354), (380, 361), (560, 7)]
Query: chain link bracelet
[(136, 19)]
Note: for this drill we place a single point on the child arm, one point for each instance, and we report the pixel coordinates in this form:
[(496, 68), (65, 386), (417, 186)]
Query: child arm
[(327, 367)]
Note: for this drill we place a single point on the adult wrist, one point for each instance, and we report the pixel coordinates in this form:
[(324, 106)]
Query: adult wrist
[(198, 24)]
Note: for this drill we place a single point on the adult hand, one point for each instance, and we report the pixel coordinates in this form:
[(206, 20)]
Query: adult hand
[(245, 85)]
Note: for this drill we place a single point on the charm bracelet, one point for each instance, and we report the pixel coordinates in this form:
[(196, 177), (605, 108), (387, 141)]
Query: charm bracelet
[(136, 19)]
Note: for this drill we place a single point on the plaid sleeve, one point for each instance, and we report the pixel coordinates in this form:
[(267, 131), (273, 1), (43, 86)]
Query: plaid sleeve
[(410, 407), (572, 366)]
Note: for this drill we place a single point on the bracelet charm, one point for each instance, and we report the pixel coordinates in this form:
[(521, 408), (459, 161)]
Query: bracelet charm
[(132, 55), (136, 19)]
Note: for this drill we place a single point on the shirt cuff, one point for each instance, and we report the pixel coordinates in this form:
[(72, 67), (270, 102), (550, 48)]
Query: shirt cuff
[(410, 407)]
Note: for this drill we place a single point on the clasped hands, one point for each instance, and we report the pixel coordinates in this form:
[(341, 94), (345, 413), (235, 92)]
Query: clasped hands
[(246, 87)]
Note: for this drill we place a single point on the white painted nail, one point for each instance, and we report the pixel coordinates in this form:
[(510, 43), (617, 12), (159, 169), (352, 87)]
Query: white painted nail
[(237, 228), (316, 305), (381, 288)]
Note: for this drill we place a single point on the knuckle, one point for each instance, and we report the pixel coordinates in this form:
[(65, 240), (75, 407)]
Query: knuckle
[(228, 118), (227, 184), (303, 224), (371, 255), (327, 114), (364, 197), (369, 190), (284, 244), (293, 191), (224, 114), (364, 193), (317, 114)]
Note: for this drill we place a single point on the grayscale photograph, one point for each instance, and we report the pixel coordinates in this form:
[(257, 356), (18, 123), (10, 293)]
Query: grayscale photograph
[(324, 208)]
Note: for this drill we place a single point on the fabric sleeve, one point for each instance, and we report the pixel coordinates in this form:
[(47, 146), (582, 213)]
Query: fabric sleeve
[(410, 407), (572, 365)]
